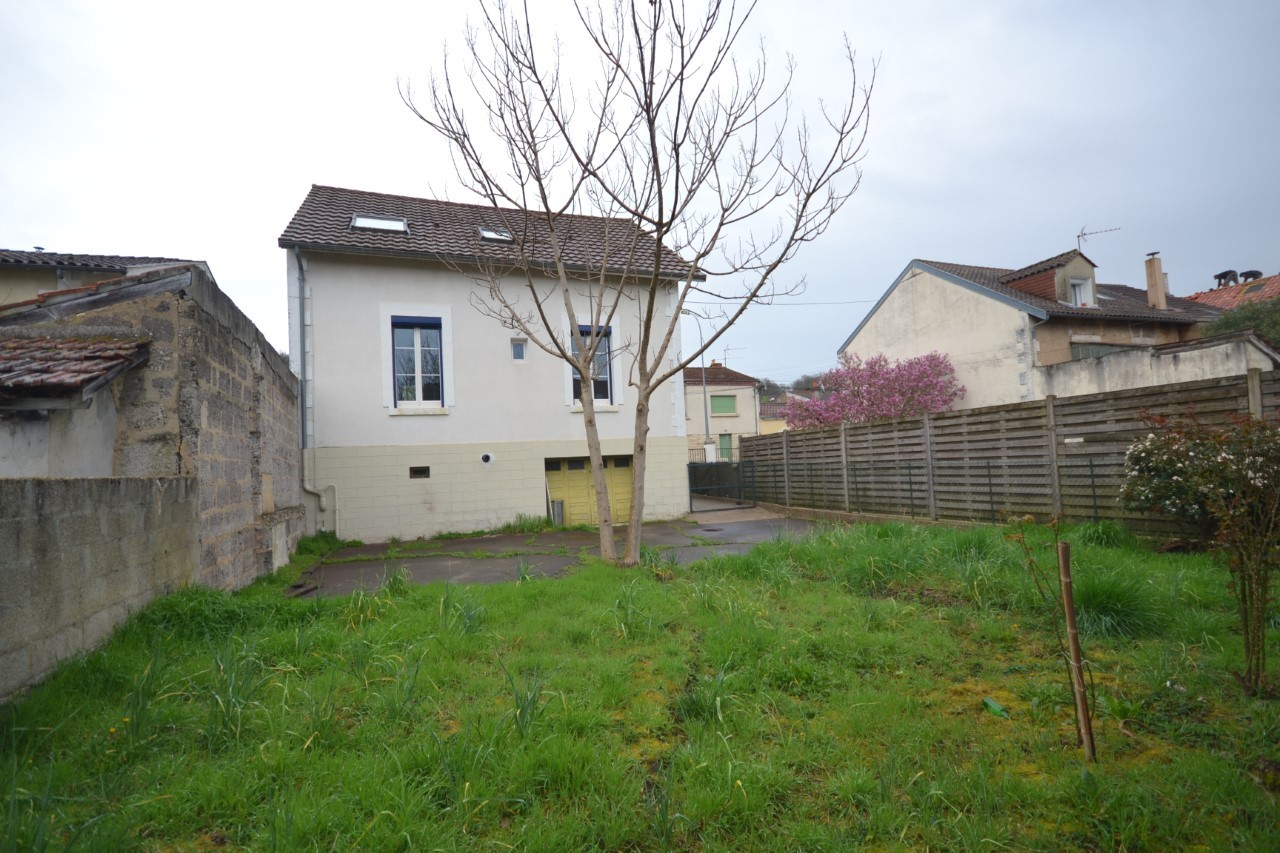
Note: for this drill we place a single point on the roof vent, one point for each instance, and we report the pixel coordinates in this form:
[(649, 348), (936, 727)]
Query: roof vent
[(1227, 277), (1250, 275)]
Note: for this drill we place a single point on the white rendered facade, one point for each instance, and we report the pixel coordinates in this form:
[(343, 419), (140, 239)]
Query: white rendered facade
[(474, 459)]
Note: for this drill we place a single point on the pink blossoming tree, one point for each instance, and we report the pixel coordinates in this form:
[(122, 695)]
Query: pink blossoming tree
[(858, 391)]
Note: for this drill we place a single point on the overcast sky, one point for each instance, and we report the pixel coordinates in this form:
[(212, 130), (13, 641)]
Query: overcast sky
[(999, 131)]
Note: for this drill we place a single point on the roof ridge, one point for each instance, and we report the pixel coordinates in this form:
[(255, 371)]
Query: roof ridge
[(474, 205)]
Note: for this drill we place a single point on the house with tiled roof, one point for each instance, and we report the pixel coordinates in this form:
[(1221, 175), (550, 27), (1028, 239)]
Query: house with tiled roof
[(721, 406), (25, 275), (424, 412), (1017, 334), (1228, 297)]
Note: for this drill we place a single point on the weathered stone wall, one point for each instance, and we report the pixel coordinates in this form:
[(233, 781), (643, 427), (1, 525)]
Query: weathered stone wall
[(79, 556), (216, 402)]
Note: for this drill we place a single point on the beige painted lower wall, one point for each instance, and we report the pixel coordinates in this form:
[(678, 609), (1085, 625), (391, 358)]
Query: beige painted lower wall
[(373, 498)]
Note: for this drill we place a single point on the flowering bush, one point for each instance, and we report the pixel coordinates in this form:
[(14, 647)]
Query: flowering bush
[(1227, 480), (858, 391)]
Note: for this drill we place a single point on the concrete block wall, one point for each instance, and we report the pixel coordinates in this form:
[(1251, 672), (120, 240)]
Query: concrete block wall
[(80, 556), (216, 402)]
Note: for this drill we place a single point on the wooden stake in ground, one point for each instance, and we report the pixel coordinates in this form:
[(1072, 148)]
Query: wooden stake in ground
[(1076, 659)]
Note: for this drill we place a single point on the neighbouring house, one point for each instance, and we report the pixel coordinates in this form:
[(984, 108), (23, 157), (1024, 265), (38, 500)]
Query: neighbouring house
[(1011, 333), (1226, 296), (771, 418), (25, 275), (424, 415), (720, 407), (148, 440)]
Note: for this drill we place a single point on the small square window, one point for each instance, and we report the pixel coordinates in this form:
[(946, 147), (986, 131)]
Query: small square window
[(1254, 288), (419, 472), (495, 235), (551, 465), (577, 464), (519, 346)]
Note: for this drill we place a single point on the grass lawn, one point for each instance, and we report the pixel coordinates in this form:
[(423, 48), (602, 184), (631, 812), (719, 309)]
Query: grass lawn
[(816, 694)]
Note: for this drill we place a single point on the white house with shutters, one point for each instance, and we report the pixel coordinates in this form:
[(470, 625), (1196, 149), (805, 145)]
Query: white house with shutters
[(422, 414)]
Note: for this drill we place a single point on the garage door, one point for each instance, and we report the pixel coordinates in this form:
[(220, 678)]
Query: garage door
[(569, 480)]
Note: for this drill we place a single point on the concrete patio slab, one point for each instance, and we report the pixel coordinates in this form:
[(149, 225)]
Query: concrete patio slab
[(503, 557)]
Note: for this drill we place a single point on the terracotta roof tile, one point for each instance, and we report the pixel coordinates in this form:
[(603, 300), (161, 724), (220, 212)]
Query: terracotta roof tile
[(52, 367), (717, 374), (1236, 295), (450, 231)]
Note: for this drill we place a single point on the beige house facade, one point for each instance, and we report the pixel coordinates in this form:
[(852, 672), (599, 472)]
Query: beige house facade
[(721, 406), (1003, 329), (423, 415)]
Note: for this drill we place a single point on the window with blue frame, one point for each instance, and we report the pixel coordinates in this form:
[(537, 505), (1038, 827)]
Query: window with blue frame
[(418, 360), (601, 382)]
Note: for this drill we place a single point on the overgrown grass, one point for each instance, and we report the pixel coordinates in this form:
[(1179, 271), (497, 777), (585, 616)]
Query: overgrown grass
[(824, 693)]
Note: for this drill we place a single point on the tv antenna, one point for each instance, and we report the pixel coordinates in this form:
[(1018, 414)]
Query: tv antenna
[(1083, 236)]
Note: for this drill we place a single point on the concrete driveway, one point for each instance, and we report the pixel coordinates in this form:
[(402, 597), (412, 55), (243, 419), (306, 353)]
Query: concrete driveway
[(501, 558)]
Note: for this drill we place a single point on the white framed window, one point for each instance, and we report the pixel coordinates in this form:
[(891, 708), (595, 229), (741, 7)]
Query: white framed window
[(1082, 293), (519, 349), (417, 358), (380, 223), (601, 369)]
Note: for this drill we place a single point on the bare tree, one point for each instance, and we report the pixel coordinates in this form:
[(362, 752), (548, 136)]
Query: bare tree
[(689, 150)]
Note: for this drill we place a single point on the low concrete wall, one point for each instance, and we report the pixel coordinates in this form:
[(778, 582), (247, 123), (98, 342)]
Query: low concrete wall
[(77, 557)]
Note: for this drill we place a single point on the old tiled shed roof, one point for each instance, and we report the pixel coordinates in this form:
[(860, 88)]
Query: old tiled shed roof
[(717, 374), (1236, 295), (449, 231), (54, 260), (63, 367)]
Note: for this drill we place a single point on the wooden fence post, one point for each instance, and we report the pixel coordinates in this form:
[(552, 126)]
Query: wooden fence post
[(1075, 660), (928, 467), (1254, 381), (786, 468), (1055, 483), (844, 461)]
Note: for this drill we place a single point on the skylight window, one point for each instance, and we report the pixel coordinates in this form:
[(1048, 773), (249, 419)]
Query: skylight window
[(1254, 288), (380, 223), (495, 235)]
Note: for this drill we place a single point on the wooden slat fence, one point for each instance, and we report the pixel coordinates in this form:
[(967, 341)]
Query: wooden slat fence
[(1043, 457)]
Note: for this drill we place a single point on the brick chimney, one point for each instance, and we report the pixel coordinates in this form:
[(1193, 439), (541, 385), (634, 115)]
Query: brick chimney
[(1157, 283)]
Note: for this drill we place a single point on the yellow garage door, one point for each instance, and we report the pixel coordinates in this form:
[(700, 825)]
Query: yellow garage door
[(569, 480)]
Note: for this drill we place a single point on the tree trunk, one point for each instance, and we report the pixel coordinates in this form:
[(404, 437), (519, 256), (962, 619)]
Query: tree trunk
[(608, 548), (639, 458)]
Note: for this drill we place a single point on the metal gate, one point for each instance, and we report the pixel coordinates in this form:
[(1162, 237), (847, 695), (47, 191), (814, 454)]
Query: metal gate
[(721, 485)]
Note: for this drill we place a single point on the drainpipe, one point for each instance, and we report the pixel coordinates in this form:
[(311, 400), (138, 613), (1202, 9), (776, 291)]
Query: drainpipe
[(322, 502), (1031, 351)]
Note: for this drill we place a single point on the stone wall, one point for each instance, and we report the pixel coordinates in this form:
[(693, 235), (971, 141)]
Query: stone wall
[(216, 402), (80, 556)]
